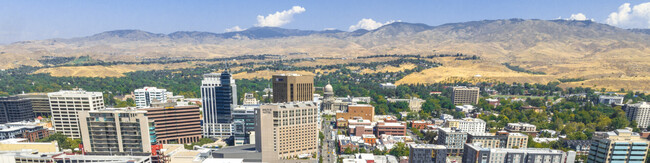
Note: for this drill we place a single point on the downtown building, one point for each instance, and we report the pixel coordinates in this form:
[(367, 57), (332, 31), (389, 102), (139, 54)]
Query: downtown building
[(453, 139), (116, 132), (243, 122), (40, 103), (66, 106), (144, 97), (467, 124), (292, 87), (462, 95), (639, 112), (476, 153), (427, 153), (286, 130), (175, 124), (620, 145), (219, 97), (15, 109)]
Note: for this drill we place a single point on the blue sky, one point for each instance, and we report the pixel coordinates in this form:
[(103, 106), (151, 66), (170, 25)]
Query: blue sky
[(43, 19)]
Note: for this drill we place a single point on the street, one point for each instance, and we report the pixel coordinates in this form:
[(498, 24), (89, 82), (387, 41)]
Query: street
[(328, 150)]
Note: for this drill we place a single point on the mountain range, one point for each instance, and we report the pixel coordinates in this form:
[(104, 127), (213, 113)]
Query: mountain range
[(567, 48)]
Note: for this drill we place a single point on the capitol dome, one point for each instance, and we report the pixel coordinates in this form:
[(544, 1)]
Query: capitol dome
[(328, 89)]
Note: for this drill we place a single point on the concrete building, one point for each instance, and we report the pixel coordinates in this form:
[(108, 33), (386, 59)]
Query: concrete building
[(516, 140), (476, 153), (393, 128), (147, 95), (467, 124), (286, 130), (40, 103), (415, 104), (116, 132), (639, 112), (362, 111), (453, 139), (465, 95), (427, 153), (488, 140), (620, 145), (219, 96), (244, 124), (292, 87), (249, 99), (15, 109), (176, 124), (521, 127), (33, 156), (21, 144), (609, 100), (28, 130), (66, 105)]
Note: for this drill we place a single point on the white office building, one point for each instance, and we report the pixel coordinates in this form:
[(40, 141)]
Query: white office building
[(66, 106), (219, 97), (147, 95), (639, 112)]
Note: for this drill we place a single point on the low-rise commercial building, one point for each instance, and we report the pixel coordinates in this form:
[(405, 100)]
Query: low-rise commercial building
[(609, 100), (362, 111), (20, 144), (521, 127), (383, 128)]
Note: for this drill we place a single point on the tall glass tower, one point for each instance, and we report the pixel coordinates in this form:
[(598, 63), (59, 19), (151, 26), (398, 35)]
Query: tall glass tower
[(219, 95)]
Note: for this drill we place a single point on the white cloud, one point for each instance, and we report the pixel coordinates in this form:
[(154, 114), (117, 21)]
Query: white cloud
[(329, 29), (628, 16), (235, 29), (578, 16), (369, 24), (278, 18)]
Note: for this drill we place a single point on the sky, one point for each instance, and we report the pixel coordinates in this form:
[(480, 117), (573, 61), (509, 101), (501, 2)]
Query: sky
[(45, 19)]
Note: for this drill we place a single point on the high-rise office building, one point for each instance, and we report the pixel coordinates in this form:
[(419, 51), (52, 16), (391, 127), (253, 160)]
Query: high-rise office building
[(176, 124), (15, 109), (620, 145), (66, 105), (286, 130), (292, 87), (147, 95), (475, 152), (40, 103), (116, 132), (639, 112), (219, 95), (427, 153), (465, 95), (467, 124)]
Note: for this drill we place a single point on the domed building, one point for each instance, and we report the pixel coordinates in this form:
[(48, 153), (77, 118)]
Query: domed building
[(328, 91)]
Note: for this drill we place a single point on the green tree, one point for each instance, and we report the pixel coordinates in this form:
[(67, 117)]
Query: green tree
[(399, 150)]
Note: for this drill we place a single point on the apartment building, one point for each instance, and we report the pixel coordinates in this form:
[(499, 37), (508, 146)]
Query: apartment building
[(176, 124), (144, 97), (477, 153), (453, 139), (286, 130), (521, 127), (116, 132), (15, 109), (488, 140), (67, 104), (620, 145), (462, 95), (40, 103), (516, 140), (292, 87), (427, 153), (639, 112), (467, 124)]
